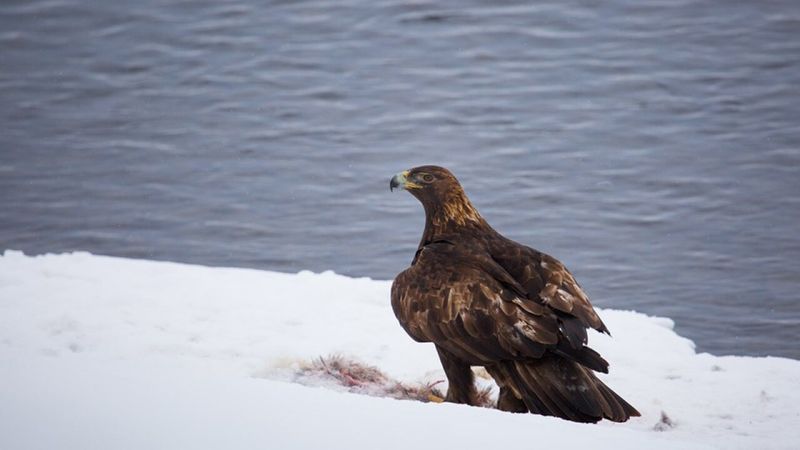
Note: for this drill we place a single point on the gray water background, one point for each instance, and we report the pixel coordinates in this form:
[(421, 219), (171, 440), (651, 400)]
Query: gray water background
[(654, 147)]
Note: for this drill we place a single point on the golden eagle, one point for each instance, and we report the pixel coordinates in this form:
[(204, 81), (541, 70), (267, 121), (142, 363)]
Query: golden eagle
[(485, 300)]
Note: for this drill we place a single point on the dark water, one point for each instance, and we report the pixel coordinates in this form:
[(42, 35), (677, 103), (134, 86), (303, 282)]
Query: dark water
[(654, 147)]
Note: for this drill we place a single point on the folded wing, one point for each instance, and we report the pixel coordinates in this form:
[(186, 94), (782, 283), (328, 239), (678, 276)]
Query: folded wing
[(463, 300)]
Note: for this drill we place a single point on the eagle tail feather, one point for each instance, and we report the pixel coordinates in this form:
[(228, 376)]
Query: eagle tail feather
[(560, 387), (585, 356)]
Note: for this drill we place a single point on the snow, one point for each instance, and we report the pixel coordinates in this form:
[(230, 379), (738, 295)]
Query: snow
[(112, 353)]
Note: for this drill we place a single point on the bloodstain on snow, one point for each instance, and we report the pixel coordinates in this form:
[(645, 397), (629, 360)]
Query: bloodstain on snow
[(354, 376)]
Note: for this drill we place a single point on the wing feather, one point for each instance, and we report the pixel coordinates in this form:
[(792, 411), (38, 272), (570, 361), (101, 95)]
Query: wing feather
[(546, 280), (466, 303)]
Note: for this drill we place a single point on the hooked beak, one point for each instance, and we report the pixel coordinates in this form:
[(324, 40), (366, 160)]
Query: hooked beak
[(398, 181)]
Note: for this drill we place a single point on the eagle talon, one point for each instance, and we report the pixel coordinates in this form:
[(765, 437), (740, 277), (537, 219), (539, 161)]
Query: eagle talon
[(435, 398)]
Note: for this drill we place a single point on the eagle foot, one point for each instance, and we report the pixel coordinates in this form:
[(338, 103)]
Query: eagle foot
[(435, 398)]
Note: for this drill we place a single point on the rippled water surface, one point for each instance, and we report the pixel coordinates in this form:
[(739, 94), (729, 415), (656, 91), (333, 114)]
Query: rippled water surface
[(654, 147)]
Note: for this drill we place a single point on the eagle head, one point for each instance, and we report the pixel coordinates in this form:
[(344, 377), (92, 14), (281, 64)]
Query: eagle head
[(424, 180), (439, 192)]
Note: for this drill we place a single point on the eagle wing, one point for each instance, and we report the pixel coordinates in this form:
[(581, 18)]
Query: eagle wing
[(461, 299), (547, 280)]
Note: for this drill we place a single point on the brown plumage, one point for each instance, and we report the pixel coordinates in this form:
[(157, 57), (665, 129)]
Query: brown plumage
[(485, 300)]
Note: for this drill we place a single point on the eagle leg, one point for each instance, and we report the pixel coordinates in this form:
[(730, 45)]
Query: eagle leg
[(461, 381), (507, 401)]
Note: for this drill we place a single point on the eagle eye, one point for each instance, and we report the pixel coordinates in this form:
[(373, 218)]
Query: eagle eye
[(428, 178)]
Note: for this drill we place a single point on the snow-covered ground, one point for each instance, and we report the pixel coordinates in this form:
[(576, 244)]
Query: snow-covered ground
[(111, 353)]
